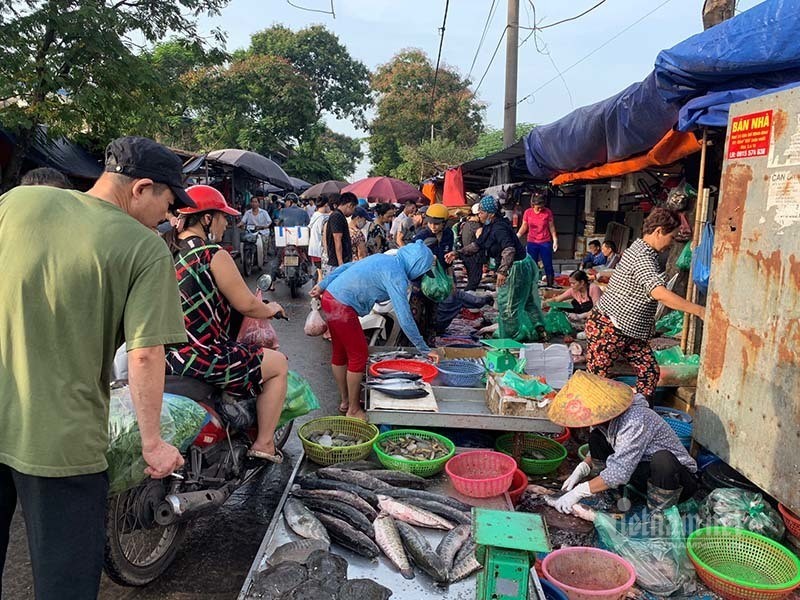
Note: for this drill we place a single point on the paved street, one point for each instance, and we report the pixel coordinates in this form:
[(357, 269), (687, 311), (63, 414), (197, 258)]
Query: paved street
[(219, 548)]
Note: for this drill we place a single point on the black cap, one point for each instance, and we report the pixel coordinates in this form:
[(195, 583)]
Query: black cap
[(143, 158)]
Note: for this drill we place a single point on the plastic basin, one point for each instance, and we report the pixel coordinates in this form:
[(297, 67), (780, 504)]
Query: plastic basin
[(481, 473), (589, 573), (519, 483), (428, 371)]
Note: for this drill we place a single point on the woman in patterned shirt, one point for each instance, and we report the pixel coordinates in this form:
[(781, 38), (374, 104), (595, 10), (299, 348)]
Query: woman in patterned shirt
[(378, 235), (623, 322)]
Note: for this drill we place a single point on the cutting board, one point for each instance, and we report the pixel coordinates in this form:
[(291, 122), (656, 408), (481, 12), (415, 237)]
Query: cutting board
[(380, 401)]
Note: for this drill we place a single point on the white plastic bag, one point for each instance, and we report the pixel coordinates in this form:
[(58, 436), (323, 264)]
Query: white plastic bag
[(315, 323)]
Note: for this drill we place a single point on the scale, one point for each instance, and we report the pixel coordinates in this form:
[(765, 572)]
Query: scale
[(503, 355), (507, 543)]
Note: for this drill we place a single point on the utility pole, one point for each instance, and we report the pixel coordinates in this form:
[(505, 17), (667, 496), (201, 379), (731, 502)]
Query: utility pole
[(512, 49)]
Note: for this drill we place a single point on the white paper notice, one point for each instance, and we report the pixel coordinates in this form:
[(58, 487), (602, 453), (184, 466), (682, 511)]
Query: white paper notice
[(784, 195)]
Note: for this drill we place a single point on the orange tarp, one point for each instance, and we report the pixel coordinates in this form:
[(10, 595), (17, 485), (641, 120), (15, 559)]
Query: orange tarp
[(672, 147)]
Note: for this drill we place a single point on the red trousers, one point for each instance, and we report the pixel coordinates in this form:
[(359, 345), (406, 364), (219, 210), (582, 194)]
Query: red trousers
[(347, 338)]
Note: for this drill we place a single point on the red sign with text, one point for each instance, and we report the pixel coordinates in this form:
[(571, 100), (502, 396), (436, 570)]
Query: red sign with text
[(749, 135)]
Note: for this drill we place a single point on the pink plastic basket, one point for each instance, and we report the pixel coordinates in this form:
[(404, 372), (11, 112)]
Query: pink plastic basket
[(481, 473), (589, 573)]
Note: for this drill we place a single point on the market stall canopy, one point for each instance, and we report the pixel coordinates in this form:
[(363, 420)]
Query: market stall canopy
[(298, 185), (758, 48), (326, 188), (253, 164), (58, 153), (384, 189)]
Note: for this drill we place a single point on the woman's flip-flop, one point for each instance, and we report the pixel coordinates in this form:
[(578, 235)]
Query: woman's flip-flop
[(276, 458), (343, 410)]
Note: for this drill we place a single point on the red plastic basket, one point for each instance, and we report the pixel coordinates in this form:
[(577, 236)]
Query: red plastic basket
[(481, 473), (519, 483), (791, 520), (428, 371)]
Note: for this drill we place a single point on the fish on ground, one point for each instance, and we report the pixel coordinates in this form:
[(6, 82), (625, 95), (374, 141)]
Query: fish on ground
[(348, 537), (401, 493), (312, 482), (358, 478), (413, 515), (451, 543), (399, 478), (421, 552), (343, 511), (388, 539), (296, 551), (443, 510), (339, 495), (302, 522)]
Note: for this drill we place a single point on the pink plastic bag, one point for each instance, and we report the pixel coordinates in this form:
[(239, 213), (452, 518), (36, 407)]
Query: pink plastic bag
[(258, 332), (315, 323)]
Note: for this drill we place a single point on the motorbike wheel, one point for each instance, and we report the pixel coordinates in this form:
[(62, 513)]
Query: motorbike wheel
[(248, 262), (282, 435), (139, 550), (294, 289)]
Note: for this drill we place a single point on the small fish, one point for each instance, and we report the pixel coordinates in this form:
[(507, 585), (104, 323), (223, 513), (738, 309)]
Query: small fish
[(388, 540), (345, 535), (412, 514), (421, 552), (312, 482), (340, 495), (451, 543), (399, 478), (343, 511), (394, 492), (363, 589), (302, 522), (443, 510), (352, 477), (298, 551), (413, 447), (535, 454)]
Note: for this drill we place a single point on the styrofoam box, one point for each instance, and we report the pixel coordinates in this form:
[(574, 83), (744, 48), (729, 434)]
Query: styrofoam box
[(292, 236)]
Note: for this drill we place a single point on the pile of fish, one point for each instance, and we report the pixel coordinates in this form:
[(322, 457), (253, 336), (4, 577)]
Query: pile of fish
[(414, 447), (398, 384), (329, 439), (371, 511)]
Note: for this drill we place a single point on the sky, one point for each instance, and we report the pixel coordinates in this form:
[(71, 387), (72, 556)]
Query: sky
[(574, 64)]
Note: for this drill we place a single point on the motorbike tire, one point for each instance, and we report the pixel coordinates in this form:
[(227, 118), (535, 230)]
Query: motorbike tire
[(122, 562), (282, 435), (248, 262), (294, 289)]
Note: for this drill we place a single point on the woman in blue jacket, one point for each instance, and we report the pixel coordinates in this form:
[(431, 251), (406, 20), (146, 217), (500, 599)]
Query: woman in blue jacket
[(350, 292)]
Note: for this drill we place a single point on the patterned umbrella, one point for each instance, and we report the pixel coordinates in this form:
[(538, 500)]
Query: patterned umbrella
[(384, 189)]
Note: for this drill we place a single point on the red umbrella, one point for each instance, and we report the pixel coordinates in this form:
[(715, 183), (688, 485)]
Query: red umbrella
[(384, 189)]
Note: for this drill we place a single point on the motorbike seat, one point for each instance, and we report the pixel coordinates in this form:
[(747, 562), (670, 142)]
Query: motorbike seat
[(196, 389)]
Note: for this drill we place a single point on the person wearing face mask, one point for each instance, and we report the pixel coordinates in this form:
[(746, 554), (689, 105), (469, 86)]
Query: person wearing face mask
[(211, 289), (623, 321)]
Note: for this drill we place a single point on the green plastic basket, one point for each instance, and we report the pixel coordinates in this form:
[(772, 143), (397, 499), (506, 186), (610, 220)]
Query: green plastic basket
[(346, 425), (739, 564), (583, 451), (555, 452), (423, 468)]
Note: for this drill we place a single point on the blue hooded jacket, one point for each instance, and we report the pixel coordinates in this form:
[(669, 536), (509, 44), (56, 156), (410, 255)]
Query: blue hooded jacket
[(381, 277)]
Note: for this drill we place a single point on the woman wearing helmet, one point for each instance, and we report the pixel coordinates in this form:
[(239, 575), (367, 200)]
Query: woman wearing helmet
[(211, 288)]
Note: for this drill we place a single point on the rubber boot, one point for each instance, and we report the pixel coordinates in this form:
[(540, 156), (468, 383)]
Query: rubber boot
[(550, 281), (659, 499)]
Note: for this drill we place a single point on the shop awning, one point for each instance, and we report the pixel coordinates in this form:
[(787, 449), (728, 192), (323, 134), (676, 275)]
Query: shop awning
[(60, 154), (758, 48)]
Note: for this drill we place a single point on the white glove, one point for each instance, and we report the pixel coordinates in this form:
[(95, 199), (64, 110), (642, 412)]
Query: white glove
[(570, 499), (555, 245), (581, 472)]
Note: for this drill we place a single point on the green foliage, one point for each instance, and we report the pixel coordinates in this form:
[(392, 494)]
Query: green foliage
[(423, 160), (340, 83), (491, 140), (404, 87), (324, 154)]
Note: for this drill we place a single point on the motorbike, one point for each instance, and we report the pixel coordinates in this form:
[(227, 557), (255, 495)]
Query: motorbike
[(249, 251), (294, 264), (146, 525)]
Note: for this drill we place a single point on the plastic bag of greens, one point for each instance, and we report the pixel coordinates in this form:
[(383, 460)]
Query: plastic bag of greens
[(670, 325), (438, 287), (675, 356), (684, 262), (659, 557), (181, 421), (525, 386), (734, 507), (557, 323), (300, 399)]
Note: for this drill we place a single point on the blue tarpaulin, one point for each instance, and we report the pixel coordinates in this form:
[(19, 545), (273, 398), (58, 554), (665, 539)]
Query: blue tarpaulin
[(759, 49)]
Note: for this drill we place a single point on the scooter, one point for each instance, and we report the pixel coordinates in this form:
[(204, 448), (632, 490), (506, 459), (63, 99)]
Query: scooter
[(146, 525), (294, 265), (381, 325)]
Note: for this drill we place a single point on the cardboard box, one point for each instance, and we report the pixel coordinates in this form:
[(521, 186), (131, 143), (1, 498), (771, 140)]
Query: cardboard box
[(292, 236)]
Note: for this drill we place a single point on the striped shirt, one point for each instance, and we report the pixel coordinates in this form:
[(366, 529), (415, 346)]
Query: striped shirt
[(627, 300)]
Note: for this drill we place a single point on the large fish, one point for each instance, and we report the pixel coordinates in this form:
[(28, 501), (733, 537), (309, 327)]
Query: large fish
[(339, 495), (401, 393), (343, 511), (363, 589), (421, 552), (348, 537), (413, 515), (388, 540), (352, 477), (400, 478), (443, 510), (302, 522), (310, 482), (298, 551), (451, 543), (357, 465), (395, 492), (279, 579), (464, 568)]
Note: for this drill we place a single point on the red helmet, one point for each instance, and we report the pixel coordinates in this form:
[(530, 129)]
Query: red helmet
[(207, 198)]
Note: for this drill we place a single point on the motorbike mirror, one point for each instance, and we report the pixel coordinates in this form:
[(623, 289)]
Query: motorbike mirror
[(264, 283)]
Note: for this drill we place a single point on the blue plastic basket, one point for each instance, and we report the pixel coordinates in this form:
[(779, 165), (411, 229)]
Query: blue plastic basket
[(682, 426), (460, 373)]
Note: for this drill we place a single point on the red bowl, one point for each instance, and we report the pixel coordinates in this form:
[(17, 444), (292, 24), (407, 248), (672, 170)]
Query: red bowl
[(519, 484), (428, 371)]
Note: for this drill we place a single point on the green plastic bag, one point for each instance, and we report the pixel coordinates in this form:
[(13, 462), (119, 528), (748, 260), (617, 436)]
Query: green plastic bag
[(439, 287), (527, 388), (684, 262), (557, 323), (734, 507), (671, 325), (675, 356), (300, 399)]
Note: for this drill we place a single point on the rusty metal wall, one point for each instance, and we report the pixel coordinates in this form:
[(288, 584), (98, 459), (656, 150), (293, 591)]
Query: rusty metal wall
[(748, 397)]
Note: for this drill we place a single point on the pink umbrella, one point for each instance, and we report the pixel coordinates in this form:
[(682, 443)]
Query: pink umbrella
[(384, 189)]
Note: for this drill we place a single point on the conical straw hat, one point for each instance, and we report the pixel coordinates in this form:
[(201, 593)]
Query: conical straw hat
[(589, 400)]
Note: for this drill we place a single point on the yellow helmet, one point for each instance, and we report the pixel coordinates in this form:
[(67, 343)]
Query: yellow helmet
[(437, 211)]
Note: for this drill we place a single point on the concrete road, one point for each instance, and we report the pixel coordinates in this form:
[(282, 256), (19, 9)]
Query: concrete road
[(219, 549)]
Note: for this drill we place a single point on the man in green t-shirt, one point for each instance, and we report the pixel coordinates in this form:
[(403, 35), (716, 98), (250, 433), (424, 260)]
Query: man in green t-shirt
[(81, 274)]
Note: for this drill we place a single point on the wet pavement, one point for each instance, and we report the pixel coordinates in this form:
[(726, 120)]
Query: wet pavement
[(219, 548)]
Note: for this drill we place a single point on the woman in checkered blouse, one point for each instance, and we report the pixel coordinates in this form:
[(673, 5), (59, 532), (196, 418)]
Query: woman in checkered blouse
[(624, 320)]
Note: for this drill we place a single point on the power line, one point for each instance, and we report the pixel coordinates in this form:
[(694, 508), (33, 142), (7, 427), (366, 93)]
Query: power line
[(316, 10), (486, 25), (600, 47), (543, 49), (586, 12), (438, 59), (491, 60)]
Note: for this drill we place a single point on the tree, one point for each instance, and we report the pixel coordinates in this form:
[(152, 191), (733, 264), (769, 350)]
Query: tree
[(340, 83), (257, 103), (72, 65), (403, 118), (324, 154), (491, 140), (428, 158)]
